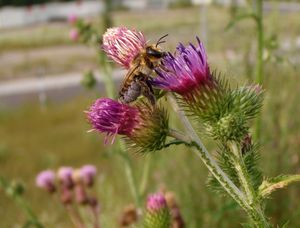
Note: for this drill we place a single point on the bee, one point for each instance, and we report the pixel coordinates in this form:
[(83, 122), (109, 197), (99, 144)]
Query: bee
[(137, 79)]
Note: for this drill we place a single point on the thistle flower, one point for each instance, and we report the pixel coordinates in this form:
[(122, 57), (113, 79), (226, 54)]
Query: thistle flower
[(122, 45), (64, 175), (72, 18), (74, 34), (145, 127), (187, 70), (157, 214), (88, 173), (46, 180)]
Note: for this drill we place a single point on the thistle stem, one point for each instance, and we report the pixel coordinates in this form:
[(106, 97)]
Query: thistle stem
[(242, 173), (129, 174), (145, 176), (254, 211), (259, 71)]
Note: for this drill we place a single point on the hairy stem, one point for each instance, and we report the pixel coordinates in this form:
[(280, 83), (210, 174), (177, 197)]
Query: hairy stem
[(242, 173)]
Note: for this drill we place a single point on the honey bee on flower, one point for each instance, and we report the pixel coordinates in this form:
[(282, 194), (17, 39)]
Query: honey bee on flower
[(129, 48)]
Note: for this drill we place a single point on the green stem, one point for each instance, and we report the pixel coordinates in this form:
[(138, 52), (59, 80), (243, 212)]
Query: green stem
[(32, 217), (260, 62), (129, 174), (106, 71), (242, 173), (145, 175)]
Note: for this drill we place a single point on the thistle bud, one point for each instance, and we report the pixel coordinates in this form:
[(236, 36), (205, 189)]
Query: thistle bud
[(122, 45), (46, 180), (157, 214), (64, 175), (144, 127)]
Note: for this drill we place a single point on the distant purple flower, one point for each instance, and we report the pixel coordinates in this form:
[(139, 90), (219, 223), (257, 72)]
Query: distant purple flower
[(74, 34), (111, 117), (88, 173), (72, 18), (156, 202), (46, 180), (65, 176), (186, 70)]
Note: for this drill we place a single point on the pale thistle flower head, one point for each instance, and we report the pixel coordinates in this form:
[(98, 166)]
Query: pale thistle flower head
[(122, 44), (145, 126), (72, 18), (64, 175), (88, 173), (74, 34), (46, 180)]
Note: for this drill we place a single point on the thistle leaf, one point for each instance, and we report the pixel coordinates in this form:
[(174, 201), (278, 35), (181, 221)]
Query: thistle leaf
[(272, 184)]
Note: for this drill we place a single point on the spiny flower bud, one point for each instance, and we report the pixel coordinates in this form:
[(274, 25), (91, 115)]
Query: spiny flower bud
[(64, 175), (157, 214), (46, 180), (122, 45), (144, 126), (88, 173)]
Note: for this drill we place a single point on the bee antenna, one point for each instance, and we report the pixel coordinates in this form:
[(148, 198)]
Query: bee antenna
[(160, 40)]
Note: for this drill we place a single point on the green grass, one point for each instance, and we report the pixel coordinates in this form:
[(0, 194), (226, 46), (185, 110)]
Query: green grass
[(32, 139)]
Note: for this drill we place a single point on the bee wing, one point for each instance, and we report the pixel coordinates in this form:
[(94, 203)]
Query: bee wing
[(128, 75)]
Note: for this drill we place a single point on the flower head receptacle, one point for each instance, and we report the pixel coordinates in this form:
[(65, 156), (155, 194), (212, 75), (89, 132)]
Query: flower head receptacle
[(122, 44), (157, 212), (145, 127)]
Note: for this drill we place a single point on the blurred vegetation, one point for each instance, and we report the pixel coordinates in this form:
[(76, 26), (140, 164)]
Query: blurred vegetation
[(32, 139)]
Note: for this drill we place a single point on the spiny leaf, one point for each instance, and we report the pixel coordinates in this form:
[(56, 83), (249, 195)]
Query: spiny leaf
[(272, 184)]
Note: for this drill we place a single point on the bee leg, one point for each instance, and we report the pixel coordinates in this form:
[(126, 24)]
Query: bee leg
[(147, 91)]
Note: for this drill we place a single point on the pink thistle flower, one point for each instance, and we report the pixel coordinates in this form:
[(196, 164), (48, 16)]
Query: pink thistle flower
[(122, 45), (111, 117), (186, 71), (145, 127), (74, 34), (72, 18), (156, 202), (88, 173), (46, 180), (64, 175)]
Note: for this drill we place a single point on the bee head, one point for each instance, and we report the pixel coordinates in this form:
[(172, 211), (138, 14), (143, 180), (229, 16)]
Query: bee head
[(154, 52)]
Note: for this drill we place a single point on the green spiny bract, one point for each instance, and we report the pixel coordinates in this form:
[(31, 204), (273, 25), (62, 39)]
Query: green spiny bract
[(224, 112), (158, 219), (151, 133)]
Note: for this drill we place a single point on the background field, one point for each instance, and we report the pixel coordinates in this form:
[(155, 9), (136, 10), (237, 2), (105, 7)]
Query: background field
[(32, 139)]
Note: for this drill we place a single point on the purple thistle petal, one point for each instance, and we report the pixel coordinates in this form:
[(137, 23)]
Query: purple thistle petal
[(186, 70)]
